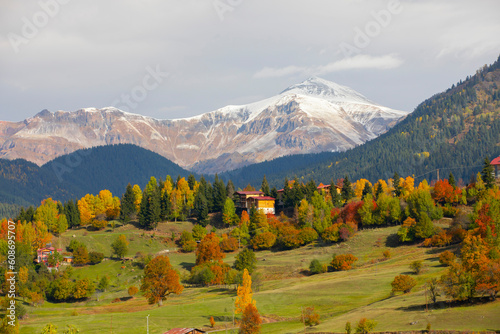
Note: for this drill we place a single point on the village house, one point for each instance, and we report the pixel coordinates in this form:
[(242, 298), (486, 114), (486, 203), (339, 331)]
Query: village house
[(496, 163), (264, 203), (185, 331), (44, 253), (247, 199)]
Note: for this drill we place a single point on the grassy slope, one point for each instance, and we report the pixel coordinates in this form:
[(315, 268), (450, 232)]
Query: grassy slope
[(338, 297)]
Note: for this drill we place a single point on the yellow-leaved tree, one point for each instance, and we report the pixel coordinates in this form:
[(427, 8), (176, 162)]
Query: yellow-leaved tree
[(245, 294), (137, 197), (359, 186), (408, 186)]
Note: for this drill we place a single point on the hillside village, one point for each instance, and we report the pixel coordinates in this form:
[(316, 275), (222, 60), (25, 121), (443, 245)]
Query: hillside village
[(212, 238)]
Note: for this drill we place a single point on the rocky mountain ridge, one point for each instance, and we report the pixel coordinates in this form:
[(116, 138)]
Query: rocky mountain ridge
[(313, 116)]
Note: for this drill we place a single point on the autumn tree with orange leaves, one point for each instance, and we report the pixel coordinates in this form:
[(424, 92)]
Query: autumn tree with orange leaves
[(444, 193), (160, 280), (209, 249), (251, 320)]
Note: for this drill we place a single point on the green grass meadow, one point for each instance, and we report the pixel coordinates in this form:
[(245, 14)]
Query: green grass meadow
[(285, 290)]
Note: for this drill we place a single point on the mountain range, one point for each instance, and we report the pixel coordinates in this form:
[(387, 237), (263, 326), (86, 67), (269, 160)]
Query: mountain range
[(450, 132), (314, 116)]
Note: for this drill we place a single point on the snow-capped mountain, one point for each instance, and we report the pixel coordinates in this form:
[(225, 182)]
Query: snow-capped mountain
[(313, 116)]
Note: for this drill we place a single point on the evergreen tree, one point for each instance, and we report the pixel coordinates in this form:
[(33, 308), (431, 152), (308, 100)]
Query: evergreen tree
[(310, 189), (30, 214), (274, 192), (265, 187), (209, 195), (191, 181), (230, 189), (287, 194), (398, 189), (347, 192), (127, 209), (451, 180), (60, 207), (201, 208), (336, 198), (378, 191), (165, 205), (72, 213), (297, 192), (219, 194), (21, 215), (150, 211), (488, 174), (367, 190)]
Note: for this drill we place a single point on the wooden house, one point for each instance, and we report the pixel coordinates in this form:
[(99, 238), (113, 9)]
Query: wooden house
[(184, 331), (264, 203), (496, 163), (243, 196), (44, 253)]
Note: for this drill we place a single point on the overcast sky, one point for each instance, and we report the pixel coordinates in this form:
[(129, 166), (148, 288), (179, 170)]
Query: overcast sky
[(178, 58)]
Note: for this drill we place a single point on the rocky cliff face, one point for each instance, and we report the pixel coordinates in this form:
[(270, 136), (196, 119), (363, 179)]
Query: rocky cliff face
[(313, 116)]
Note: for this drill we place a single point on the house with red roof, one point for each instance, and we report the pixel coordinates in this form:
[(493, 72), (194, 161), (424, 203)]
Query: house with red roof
[(44, 253), (264, 203), (184, 331), (496, 163), (245, 200)]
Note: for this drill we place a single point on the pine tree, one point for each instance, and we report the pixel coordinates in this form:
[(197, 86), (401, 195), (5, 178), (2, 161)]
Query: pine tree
[(379, 191), (127, 209), (347, 192), (451, 180), (367, 190), (149, 215), (274, 192), (166, 205), (488, 174), (265, 187), (310, 189), (287, 194), (336, 199), (398, 190), (191, 181), (209, 195), (201, 208), (72, 214), (297, 192), (219, 194), (230, 189)]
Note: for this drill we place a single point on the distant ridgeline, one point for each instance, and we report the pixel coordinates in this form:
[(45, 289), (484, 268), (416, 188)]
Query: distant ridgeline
[(82, 172), (452, 131)]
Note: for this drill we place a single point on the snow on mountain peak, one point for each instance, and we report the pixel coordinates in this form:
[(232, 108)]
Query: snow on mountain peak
[(328, 90)]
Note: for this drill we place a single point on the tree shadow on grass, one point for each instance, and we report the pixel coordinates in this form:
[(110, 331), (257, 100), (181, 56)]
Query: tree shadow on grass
[(438, 250), (187, 265), (392, 241), (445, 304), (224, 291)]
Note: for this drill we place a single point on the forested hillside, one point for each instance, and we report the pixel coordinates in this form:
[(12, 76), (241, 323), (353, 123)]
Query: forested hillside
[(452, 131), (24, 183), (111, 167), (82, 172)]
